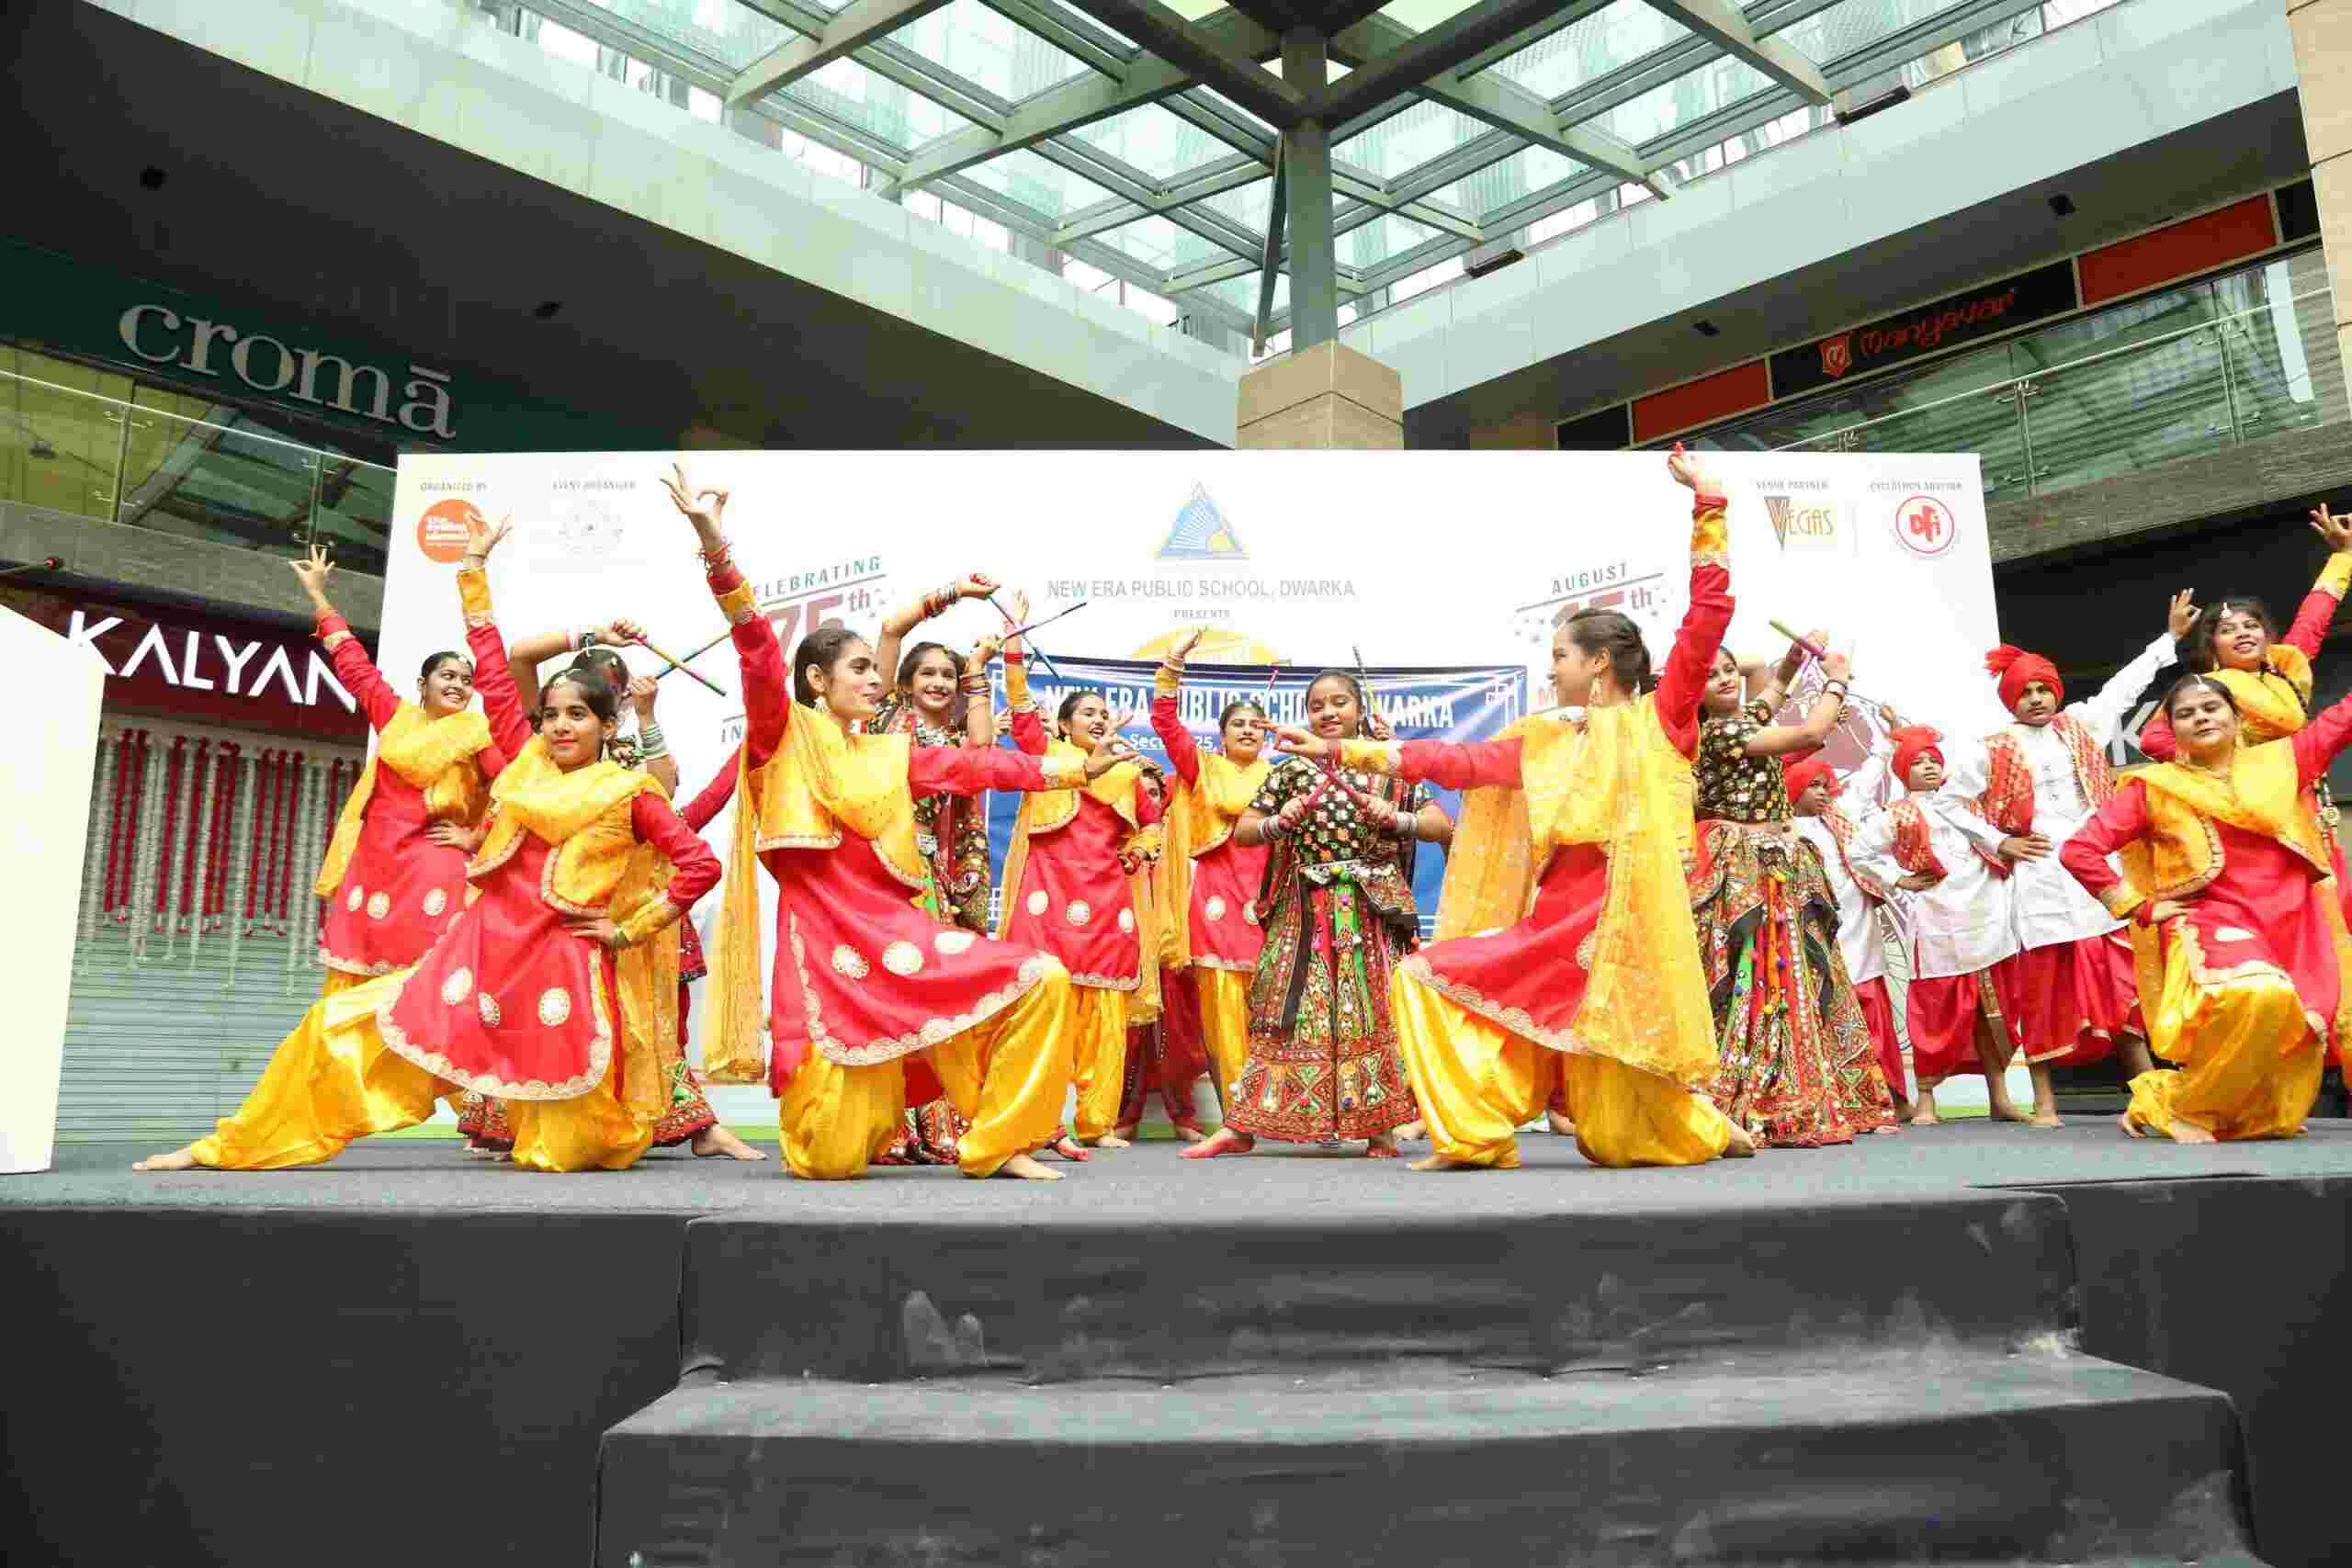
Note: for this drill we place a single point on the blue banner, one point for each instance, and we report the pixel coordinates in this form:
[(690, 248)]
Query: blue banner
[(1468, 703)]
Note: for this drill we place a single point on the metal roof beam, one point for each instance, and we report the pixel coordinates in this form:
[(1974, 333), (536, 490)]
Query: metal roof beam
[(1720, 22), (857, 24), (1203, 55), (1424, 58), (1080, 101)]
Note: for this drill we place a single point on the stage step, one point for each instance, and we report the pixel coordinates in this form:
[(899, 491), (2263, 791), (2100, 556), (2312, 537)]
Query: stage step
[(840, 1297), (2043, 1456)]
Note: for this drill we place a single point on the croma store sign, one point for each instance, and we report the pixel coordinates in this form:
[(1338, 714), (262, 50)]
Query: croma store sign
[(161, 335)]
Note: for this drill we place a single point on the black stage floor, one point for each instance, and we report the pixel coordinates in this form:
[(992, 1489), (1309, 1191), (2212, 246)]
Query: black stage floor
[(1976, 1343)]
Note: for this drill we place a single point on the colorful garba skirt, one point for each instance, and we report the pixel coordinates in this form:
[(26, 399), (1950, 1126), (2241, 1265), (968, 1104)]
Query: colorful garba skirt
[(1798, 1067), (1323, 1060)]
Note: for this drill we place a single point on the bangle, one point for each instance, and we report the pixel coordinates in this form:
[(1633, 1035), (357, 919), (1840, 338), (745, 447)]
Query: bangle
[(651, 742), (1014, 656), (714, 560), (1273, 828), (472, 562), (974, 685)]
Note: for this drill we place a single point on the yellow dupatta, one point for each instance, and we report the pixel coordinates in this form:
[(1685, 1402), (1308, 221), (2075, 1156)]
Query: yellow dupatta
[(1614, 781), (821, 785), (647, 973), (1200, 818), (2180, 857), (433, 754), (573, 812)]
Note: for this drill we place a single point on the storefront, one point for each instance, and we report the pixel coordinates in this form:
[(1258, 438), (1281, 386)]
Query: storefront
[(226, 749)]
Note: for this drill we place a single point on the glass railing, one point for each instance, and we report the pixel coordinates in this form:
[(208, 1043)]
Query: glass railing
[(214, 476), (2176, 393)]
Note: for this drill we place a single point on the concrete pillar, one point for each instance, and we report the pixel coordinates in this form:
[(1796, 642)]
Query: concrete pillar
[(2322, 34), (1325, 398)]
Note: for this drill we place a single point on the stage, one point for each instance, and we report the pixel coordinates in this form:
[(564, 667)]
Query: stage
[(1976, 1342)]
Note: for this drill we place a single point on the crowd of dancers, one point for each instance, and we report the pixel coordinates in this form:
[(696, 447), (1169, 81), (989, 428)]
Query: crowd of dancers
[(1660, 930)]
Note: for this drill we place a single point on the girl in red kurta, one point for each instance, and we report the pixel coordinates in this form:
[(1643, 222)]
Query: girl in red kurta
[(2246, 968), (1073, 888), (394, 876), (865, 976), (517, 999), (1208, 881), (1585, 973)]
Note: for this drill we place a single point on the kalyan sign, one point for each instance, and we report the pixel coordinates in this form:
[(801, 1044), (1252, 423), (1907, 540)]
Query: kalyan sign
[(1948, 323), (203, 669)]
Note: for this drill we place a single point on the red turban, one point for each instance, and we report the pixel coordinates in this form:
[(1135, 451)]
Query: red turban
[(1800, 774), (2018, 668), (1912, 742)]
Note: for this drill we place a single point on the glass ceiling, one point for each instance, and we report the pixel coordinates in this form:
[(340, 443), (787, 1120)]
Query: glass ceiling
[(1046, 117)]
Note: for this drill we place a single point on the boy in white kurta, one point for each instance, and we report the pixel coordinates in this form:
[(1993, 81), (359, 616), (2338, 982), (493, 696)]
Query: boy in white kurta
[(2068, 992), (1956, 863)]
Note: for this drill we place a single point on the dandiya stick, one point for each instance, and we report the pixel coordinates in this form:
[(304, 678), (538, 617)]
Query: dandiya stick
[(698, 653), (1817, 652), (680, 664)]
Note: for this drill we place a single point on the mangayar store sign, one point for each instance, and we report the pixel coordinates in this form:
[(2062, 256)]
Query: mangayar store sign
[(1930, 329)]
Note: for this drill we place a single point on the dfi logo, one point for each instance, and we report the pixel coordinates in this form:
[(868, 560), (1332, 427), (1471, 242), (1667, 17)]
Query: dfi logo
[(1925, 526)]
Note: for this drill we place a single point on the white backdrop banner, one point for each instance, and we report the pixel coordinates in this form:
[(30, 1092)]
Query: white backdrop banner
[(1417, 560)]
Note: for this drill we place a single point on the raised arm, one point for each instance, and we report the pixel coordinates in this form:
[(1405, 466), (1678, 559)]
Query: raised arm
[(1683, 681), (1028, 729), (2123, 819), (510, 726), (979, 712), (2317, 612), (907, 617), (352, 666), (1776, 739), (2103, 712), (1167, 718), (2320, 742), (961, 769), (759, 657), (644, 691)]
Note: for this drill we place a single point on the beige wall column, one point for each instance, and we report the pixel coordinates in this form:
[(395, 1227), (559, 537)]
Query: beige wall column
[(2323, 31), (1521, 432), (1327, 398)]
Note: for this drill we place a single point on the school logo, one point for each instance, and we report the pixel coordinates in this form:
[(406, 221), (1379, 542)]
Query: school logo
[(1924, 526), (1837, 354), (588, 529), (1802, 524), (1200, 534), (442, 533)]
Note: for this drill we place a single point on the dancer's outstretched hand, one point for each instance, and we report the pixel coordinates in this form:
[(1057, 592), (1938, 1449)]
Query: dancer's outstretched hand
[(1690, 471), (314, 569), (2183, 614), (699, 507), (1305, 743), (1108, 753), (481, 538), (2335, 528), (1185, 649)]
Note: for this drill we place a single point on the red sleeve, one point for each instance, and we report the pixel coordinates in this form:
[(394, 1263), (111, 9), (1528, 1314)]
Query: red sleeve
[(359, 675), (659, 824), (715, 794), (971, 770), (2119, 822), (759, 659), (1029, 731), (1461, 764), (510, 727), (1147, 810), (2312, 618), (2318, 743), (1687, 663), (1182, 755), (491, 759), (2156, 740)]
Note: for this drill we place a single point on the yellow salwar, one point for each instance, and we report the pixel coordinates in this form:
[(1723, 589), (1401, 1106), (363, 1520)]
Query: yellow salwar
[(1098, 1029), (2236, 1083), (1006, 1075), (333, 1079), (588, 1132), (1225, 1024), (1478, 1083)]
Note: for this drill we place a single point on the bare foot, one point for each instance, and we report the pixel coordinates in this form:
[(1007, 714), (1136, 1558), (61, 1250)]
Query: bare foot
[(1439, 1162), (178, 1160), (1225, 1141), (1559, 1124), (2131, 1130), (1189, 1133), (1382, 1147), (1072, 1150), (2002, 1111), (1021, 1168), (1111, 1141), (1126, 1133), (1890, 1127), (1925, 1116), (482, 1151), (1741, 1146), (715, 1139), (2190, 1132), (1412, 1132), (2045, 1119)]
